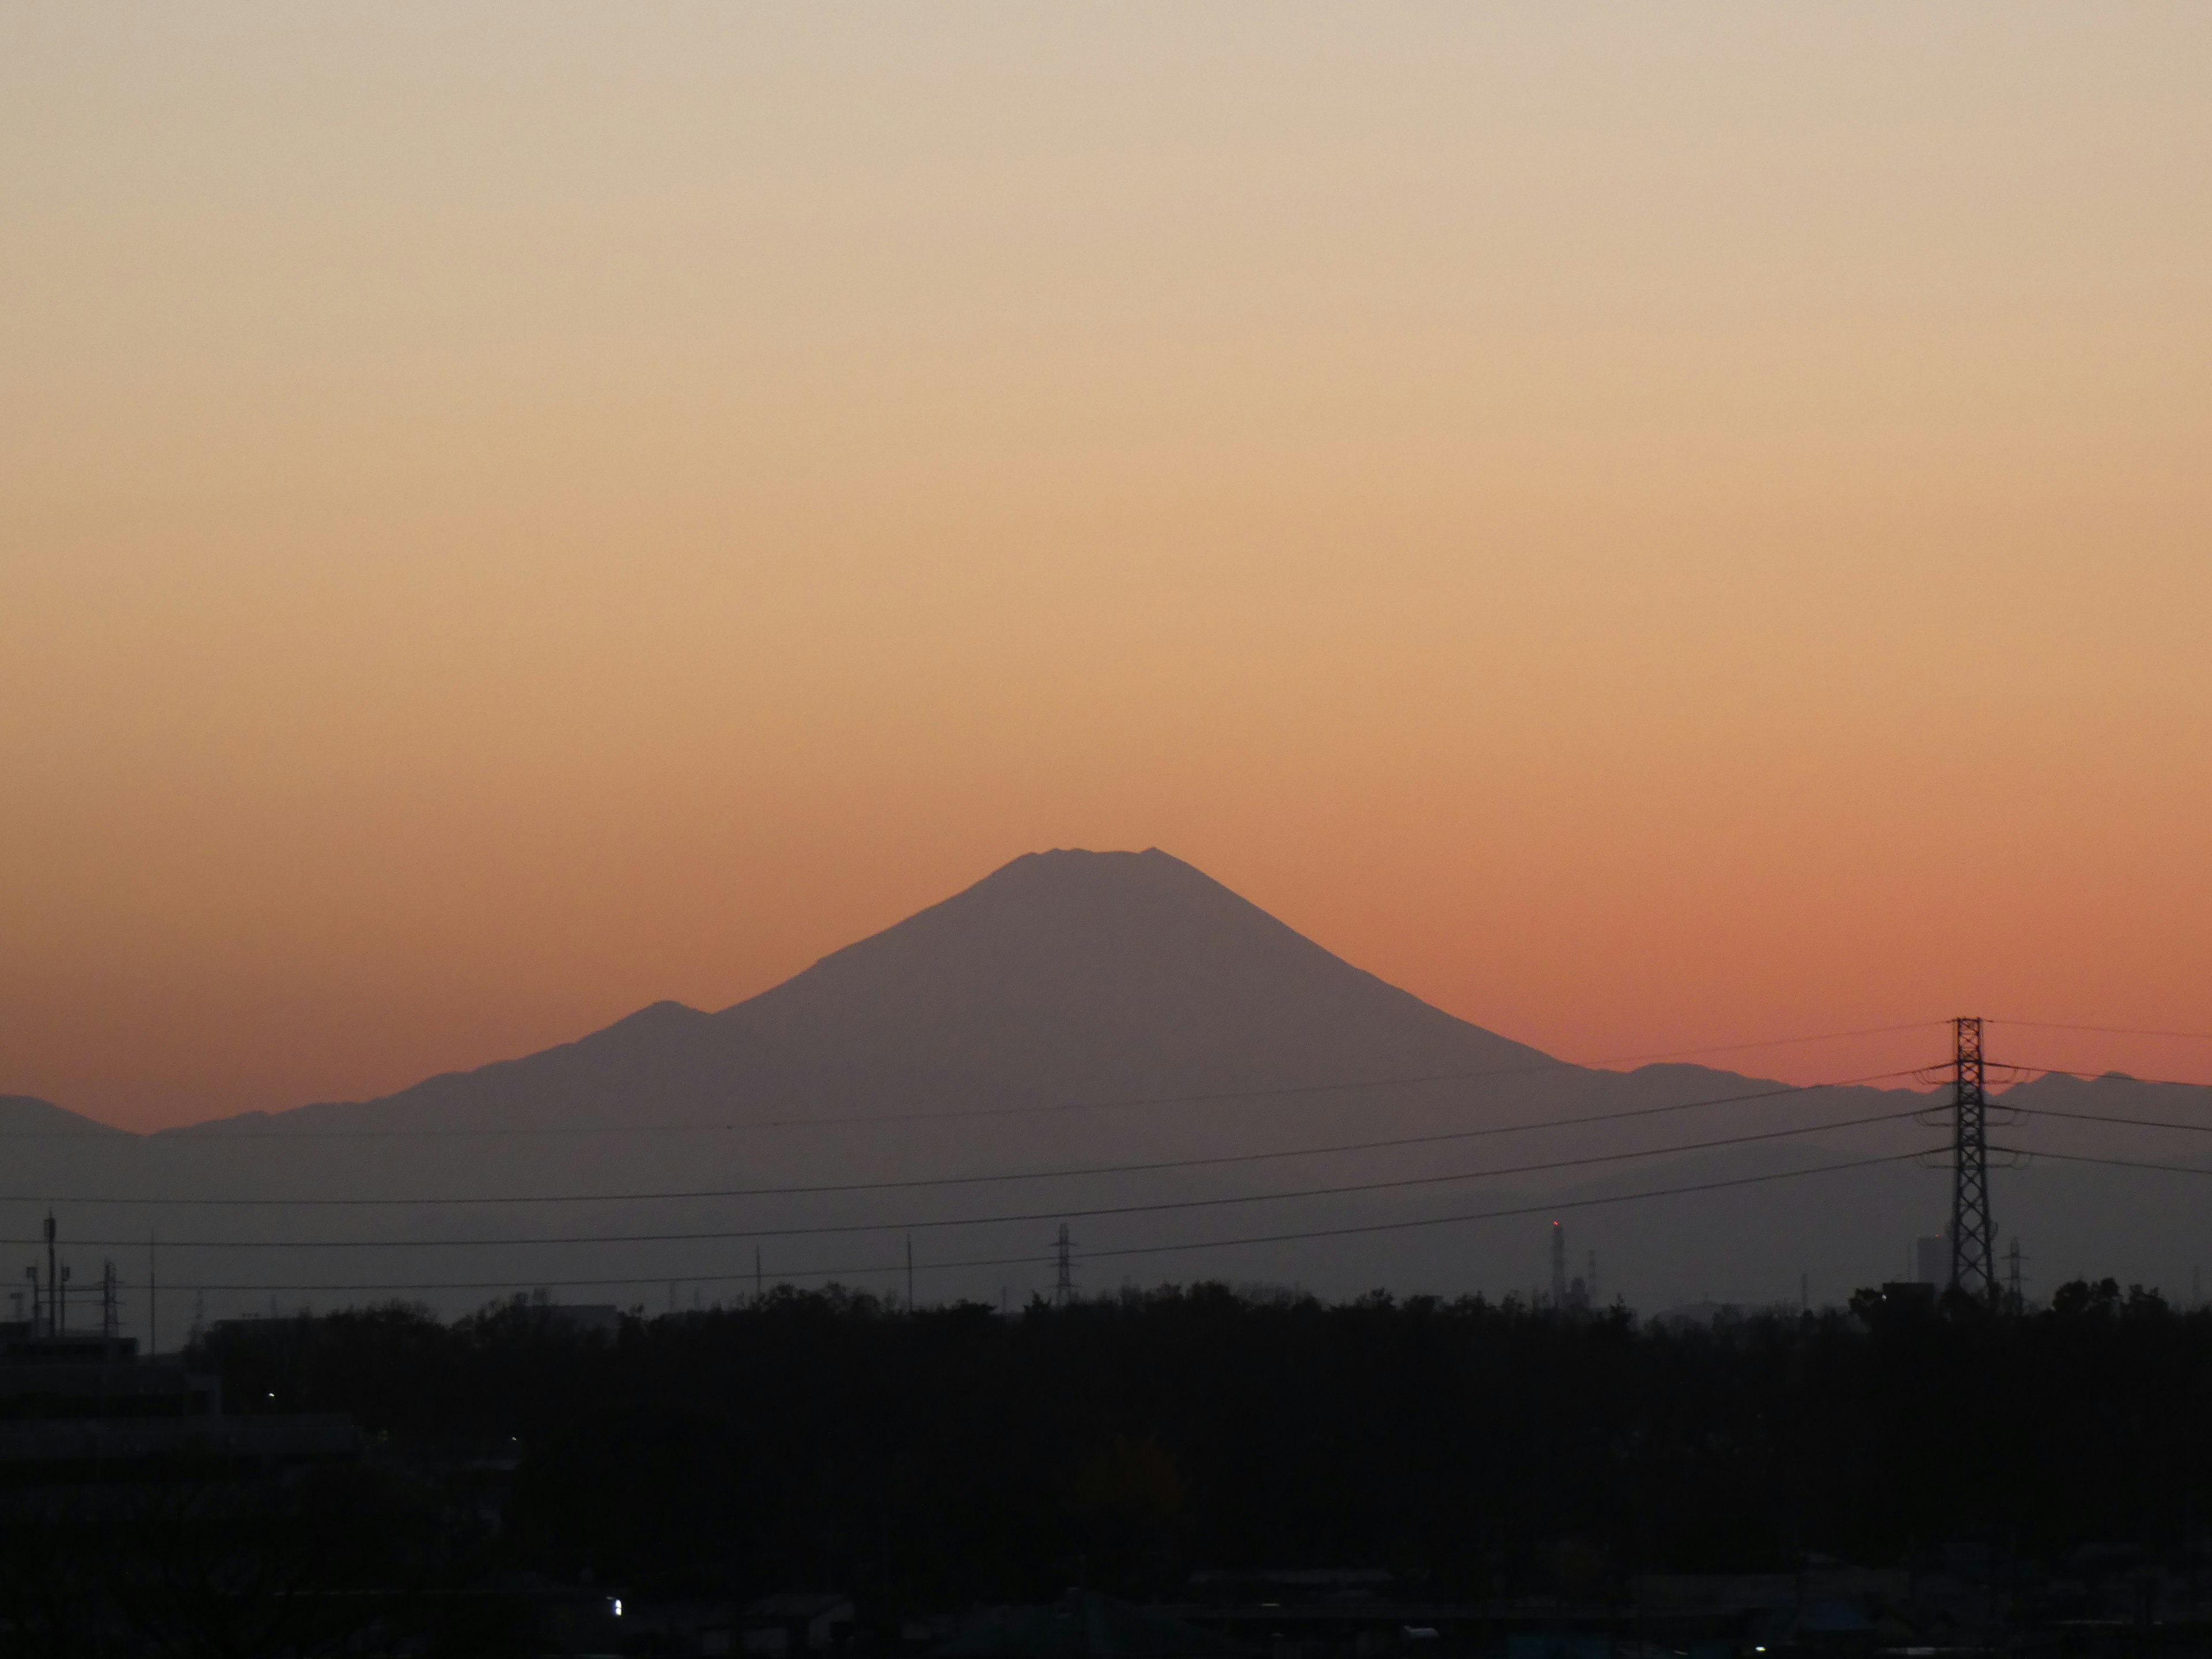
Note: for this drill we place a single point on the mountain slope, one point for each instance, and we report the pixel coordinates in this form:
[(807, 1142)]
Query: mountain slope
[(1064, 977), (28, 1115)]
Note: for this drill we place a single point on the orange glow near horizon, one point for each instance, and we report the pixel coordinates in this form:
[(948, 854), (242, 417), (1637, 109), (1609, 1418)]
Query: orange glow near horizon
[(1646, 530)]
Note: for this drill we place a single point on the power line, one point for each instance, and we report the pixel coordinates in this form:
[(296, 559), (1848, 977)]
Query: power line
[(1772, 1043), (2114, 1162), (1343, 1189), (2097, 1077), (212, 1137), (1145, 1249), (1521, 1210), (917, 1182), (2099, 1117), (2106, 1030)]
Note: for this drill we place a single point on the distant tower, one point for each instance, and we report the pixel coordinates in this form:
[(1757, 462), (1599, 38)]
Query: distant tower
[(2018, 1302), (1063, 1256), (1558, 1265), (55, 1310), (110, 1302), (1973, 1234)]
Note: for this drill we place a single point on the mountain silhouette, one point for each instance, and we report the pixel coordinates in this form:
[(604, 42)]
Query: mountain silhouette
[(1112, 1039), (1067, 977), (28, 1115)]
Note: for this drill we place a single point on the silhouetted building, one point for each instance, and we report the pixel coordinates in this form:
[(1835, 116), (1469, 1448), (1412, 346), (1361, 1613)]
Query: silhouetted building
[(73, 1407)]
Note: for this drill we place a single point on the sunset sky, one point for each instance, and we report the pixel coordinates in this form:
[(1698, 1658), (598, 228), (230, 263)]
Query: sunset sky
[(1647, 527)]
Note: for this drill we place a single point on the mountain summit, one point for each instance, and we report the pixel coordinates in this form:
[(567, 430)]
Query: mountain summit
[(1067, 976), (1103, 973)]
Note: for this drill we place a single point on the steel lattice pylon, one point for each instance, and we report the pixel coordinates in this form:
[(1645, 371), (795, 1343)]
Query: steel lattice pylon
[(1973, 1234)]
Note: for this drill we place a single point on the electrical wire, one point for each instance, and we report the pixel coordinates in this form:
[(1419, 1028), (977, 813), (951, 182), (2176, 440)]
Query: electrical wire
[(2113, 1163), (2099, 1117), (1521, 1210), (1095, 1256), (1155, 1207), (2096, 1076), (2106, 1030), (912, 1182)]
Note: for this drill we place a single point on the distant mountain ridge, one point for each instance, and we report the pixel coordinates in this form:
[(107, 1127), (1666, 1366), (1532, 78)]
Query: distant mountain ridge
[(1065, 975)]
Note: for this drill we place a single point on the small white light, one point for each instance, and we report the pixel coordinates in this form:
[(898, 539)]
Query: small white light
[(618, 1613)]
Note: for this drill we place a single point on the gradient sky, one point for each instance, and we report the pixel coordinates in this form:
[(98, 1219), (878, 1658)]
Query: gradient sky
[(1648, 527)]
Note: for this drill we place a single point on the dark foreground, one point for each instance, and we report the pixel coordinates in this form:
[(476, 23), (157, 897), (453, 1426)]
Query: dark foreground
[(1299, 1479)]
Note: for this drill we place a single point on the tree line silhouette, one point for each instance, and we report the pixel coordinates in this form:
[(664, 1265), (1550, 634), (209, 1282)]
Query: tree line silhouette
[(938, 1457)]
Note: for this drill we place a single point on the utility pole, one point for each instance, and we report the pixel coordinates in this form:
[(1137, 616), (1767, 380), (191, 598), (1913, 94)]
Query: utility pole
[(1973, 1234), (58, 1278), (1063, 1287)]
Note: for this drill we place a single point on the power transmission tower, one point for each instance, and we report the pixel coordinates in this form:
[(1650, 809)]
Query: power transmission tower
[(1974, 1235), (2015, 1300), (1063, 1286)]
